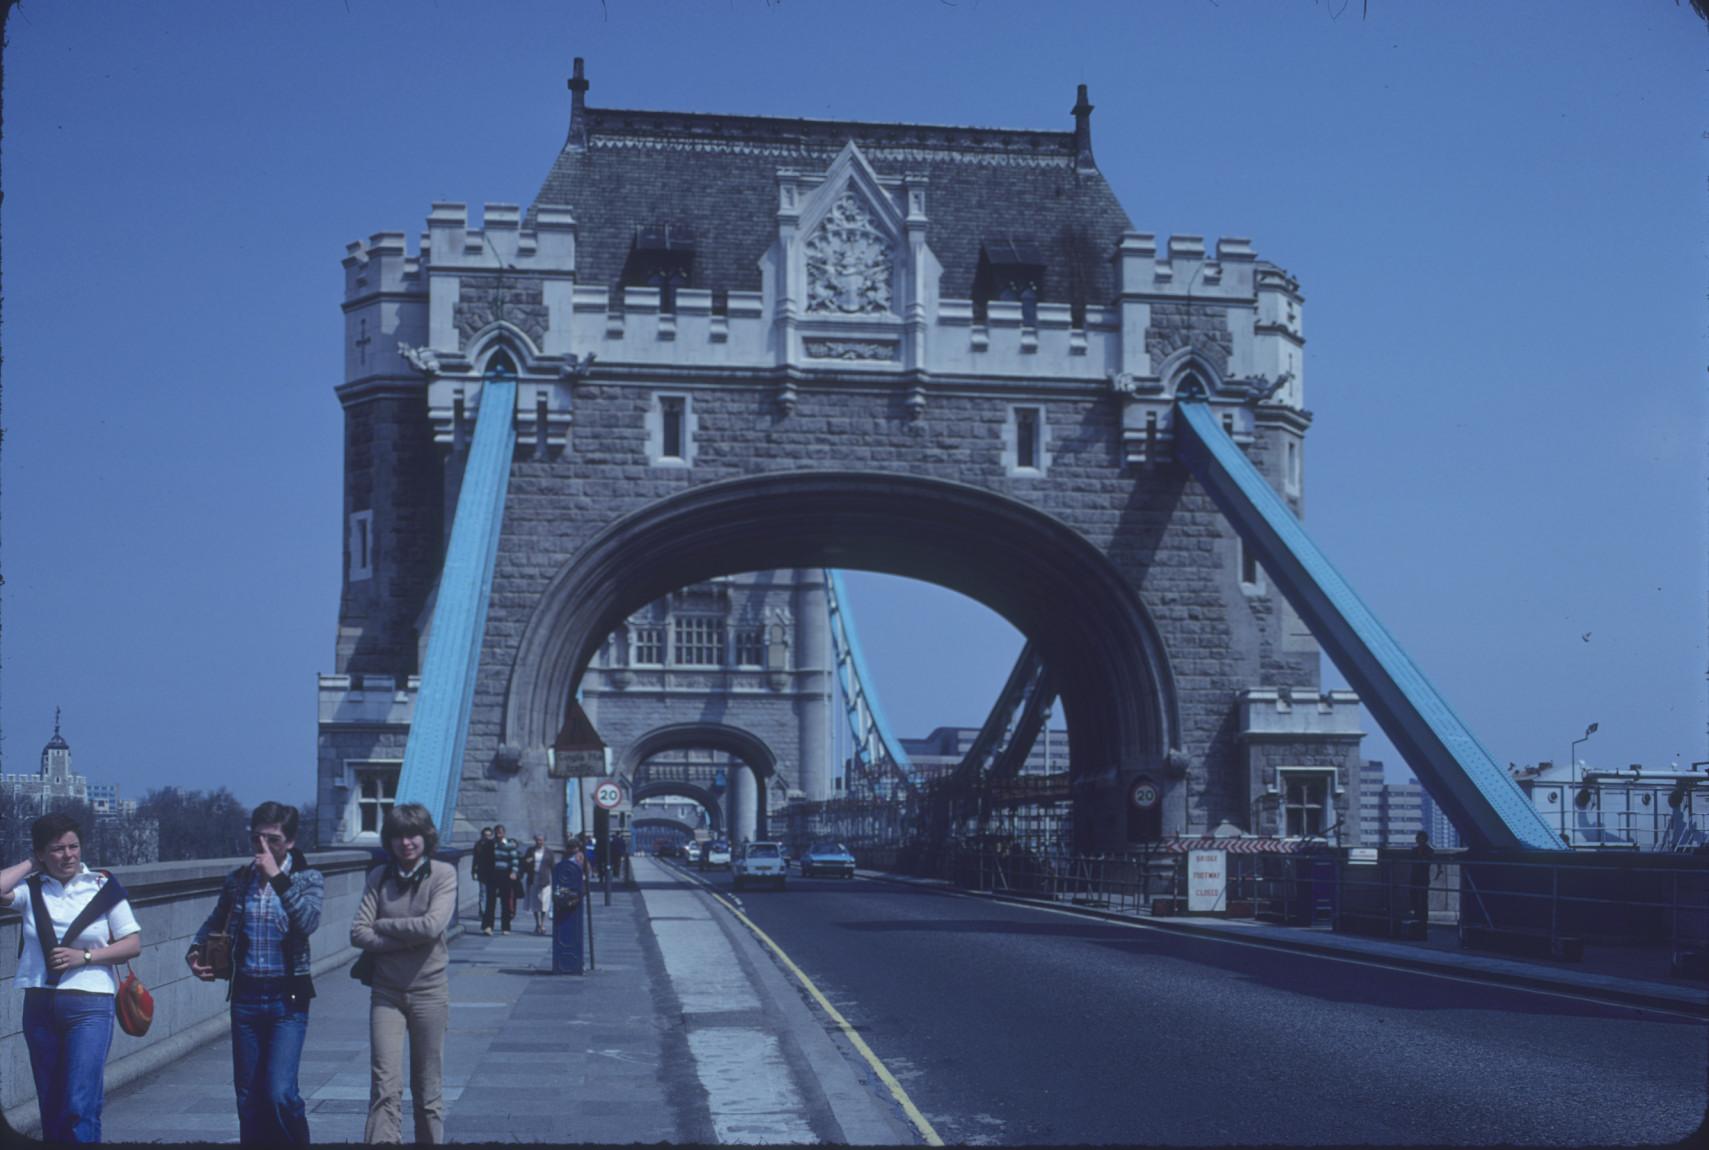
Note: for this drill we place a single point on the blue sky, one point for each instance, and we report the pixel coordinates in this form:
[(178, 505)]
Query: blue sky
[(1496, 212)]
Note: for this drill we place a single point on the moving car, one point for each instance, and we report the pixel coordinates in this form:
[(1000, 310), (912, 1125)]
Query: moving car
[(691, 851), (760, 862), (827, 857), (717, 853)]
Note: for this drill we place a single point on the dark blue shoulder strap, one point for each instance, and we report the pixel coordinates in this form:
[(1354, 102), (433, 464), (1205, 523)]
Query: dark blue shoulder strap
[(104, 900), (45, 937)]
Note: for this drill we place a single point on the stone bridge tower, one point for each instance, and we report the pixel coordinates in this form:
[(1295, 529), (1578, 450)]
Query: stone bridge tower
[(747, 344)]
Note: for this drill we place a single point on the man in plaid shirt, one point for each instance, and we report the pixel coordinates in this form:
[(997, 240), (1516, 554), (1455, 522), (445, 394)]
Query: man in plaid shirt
[(269, 906)]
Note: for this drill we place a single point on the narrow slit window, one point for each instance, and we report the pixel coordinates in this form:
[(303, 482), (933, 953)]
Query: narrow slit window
[(1026, 437), (1248, 564), (361, 545), (671, 416)]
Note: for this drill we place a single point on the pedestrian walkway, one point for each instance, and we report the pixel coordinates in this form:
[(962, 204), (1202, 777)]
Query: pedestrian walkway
[(1628, 975), (683, 1031)]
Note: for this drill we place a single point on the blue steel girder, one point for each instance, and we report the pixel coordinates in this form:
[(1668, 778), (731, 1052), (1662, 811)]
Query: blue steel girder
[(1035, 705), (1461, 775), (433, 757), (878, 753), (1013, 722)]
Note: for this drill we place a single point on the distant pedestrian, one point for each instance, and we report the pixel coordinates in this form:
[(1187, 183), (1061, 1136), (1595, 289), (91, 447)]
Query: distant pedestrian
[(406, 907), (482, 865), (67, 975), (501, 887), (619, 855), (537, 867), (1423, 856), (266, 911)]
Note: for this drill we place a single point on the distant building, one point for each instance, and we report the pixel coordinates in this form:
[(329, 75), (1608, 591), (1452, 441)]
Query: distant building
[(943, 749), (1371, 785), (1392, 814), (1629, 809), (122, 837), (56, 782)]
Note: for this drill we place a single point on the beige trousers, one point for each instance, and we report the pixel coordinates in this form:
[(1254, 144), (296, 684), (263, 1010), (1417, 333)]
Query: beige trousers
[(422, 1014)]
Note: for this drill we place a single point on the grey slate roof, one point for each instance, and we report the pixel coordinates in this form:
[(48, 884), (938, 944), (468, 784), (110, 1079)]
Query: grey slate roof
[(718, 175)]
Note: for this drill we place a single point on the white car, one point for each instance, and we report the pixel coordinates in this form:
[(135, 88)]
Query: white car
[(760, 862), (691, 851)]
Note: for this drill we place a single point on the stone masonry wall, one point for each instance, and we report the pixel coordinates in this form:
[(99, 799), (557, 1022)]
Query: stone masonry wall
[(334, 748), (392, 468), (1155, 524)]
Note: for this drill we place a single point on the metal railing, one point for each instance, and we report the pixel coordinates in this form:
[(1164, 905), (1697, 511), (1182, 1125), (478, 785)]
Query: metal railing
[(1546, 907)]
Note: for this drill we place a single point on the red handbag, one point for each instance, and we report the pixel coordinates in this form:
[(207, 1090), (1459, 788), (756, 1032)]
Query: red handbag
[(134, 1005)]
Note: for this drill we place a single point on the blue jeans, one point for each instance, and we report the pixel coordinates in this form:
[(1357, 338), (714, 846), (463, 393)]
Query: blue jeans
[(68, 1034), (267, 1033)]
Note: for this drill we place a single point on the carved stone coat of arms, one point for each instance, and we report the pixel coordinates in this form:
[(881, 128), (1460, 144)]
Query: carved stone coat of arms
[(848, 262)]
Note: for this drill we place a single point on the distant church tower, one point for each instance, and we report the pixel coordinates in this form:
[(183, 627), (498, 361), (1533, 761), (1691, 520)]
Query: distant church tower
[(56, 762)]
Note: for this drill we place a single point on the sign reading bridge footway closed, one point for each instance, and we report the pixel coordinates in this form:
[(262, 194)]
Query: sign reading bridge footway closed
[(1207, 881)]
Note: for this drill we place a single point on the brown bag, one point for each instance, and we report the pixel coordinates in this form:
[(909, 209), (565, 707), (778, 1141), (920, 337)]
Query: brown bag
[(135, 1005), (216, 952)]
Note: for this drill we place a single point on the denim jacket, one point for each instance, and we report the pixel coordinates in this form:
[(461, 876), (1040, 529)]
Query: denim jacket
[(301, 896)]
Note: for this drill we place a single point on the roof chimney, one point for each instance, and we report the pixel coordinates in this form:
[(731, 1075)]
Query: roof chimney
[(1082, 134), (578, 108)]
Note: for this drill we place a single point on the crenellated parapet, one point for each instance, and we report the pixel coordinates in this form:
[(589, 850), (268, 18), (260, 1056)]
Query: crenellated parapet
[(431, 320), (367, 700), (385, 297), (849, 289), (1218, 322), (1284, 713)]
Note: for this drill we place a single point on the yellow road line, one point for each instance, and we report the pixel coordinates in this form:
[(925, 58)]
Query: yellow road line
[(913, 1112)]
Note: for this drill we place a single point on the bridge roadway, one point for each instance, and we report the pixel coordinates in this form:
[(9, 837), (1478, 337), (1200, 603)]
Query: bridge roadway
[(1002, 1024), (1019, 1025)]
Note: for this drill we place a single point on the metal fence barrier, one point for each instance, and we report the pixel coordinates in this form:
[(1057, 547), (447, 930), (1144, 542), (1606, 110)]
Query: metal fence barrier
[(1544, 908)]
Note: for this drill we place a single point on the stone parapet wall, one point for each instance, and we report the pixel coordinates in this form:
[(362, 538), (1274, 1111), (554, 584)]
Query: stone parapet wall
[(171, 901)]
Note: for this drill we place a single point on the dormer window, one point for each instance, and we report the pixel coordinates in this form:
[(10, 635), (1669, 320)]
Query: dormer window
[(1011, 269), (662, 257)]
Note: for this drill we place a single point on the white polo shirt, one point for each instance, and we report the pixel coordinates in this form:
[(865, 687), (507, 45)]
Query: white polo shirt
[(63, 905)]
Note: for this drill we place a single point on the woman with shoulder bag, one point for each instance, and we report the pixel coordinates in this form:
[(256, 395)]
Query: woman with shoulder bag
[(400, 926), (537, 867), (77, 926)]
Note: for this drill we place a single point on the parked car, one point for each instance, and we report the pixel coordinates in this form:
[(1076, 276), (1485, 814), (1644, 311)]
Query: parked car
[(691, 851), (827, 857), (717, 853), (760, 862)]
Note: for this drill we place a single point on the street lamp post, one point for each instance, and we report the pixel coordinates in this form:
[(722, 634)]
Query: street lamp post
[(1572, 756)]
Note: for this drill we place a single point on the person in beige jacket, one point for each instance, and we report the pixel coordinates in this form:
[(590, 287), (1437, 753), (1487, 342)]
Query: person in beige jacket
[(400, 926)]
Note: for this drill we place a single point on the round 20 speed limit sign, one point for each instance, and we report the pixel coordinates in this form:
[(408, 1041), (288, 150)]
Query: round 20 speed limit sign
[(1143, 794), (608, 794)]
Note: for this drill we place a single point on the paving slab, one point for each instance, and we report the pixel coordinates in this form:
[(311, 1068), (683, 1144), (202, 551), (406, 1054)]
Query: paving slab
[(701, 1041)]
